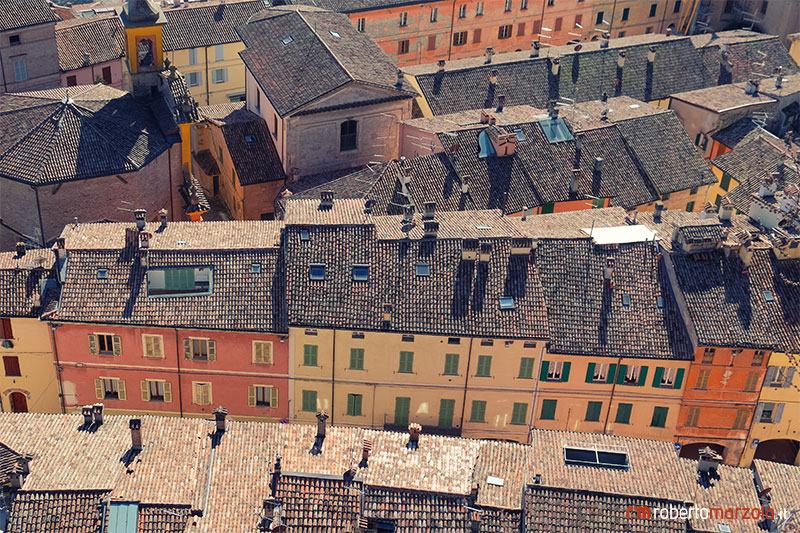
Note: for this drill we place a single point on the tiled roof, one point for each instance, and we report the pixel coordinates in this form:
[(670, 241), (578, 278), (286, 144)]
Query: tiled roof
[(655, 470), (458, 297), (349, 6), (347, 211), (240, 299), (196, 25), (727, 304), (587, 316), (468, 119), (22, 279), (583, 75), (507, 461), (318, 504), (49, 139), (747, 52), (416, 511), (249, 142), (22, 13), (718, 489), (733, 134), (452, 225), (783, 479), (83, 42), (65, 511), (725, 97), (670, 220), (563, 509), (162, 518), (323, 52), (570, 224), (9, 459)]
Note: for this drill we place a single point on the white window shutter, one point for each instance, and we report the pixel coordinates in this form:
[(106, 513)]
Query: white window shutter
[(207, 394), (196, 393), (251, 396), (122, 393), (268, 353), (770, 377), (187, 348), (167, 391), (273, 400), (148, 346), (759, 411), (212, 350), (117, 340), (99, 390)]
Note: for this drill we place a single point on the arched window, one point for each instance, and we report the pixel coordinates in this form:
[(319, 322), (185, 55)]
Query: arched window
[(348, 138)]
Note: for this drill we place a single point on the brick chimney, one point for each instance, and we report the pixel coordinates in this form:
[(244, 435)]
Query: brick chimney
[(365, 449), (322, 424), (708, 212), (140, 217), (136, 433), (399, 84), (465, 185), (86, 411), (97, 413), (220, 417), (387, 313), (501, 101), (414, 430), (493, 77), (657, 210), (709, 460), (276, 476), (21, 249), (535, 47), (431, 228), (441, 63), (326, 199), (608, 270), (598, 165)]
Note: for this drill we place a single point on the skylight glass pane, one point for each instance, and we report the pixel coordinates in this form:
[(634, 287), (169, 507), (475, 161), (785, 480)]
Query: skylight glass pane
[(768, 296), (304, 235), (423, 269), (316, 272), (486, 146), (660, 302), (614, 459), (287, 40), (360, 272), (102, 273), (626, 300), (579, 455), (255, 268), (506, 302), (520, 136), (555, 130)]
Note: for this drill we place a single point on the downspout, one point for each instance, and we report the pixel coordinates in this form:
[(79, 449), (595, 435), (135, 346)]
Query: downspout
[(452, 27), (169, 170), (466, 382), (333, 378), (58, 368), (3, 70), (208, 98), (611, 398), (180, 388), (39, 210), (661, 27), (532, 416), (611, 22)]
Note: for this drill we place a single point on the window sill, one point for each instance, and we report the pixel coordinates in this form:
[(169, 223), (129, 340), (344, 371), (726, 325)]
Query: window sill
[(263, 406), (157, 400)]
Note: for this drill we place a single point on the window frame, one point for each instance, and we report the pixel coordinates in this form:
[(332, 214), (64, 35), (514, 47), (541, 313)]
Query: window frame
[(348, 140), (505, 31), (356, 359), (309, 356), (11, 361), (483, 368), (405, 362), (478, 407), (623, 413), (403, 19)]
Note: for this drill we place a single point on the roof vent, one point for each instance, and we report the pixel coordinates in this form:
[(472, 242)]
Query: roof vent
[(535, 47), (555, 65), (657, 210), (399, 84), (501, 101), (465, 185), (708, 461), (725, 208), (621, 58), (751, 87), (493, 77), (488, 54), (322, 429), (414, 431), (387, 313), (20, 249), (140, 217), (573, 182)]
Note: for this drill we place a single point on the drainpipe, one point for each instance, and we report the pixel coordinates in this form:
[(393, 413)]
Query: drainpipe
[(180, 388), (333, 378), (58, 368), (208, 98), (452, 27), (611, 398), (532, 416), (466, 382), (3, 71)]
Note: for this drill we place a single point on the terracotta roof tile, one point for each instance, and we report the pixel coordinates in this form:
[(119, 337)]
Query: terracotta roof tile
[(783, 479), (201, 24), (83, 42), (22, 280), (64, 511), (162, 519), (23, 13)]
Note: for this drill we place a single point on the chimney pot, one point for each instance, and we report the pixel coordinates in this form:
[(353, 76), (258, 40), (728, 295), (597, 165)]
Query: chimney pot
[(414, 430), (501, 100), (135, 425), (669, 31), (16, 477), (658, 209), (535, 46), (25, 464), (489, 53), (608, 270), (604, 40), (365, 449), (20, 249), (326, 199), (573, 183), (162, 215), (555, 65), (725, 208), (97, 412), (140, 217), (493, 77), (441, 64), (651, 54), (399, 83), (430, 209), (220, 417), (621, 58), (86, 411), (322, 419), (465, 185)]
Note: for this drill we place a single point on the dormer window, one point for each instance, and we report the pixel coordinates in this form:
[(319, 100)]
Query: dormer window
[(255, 268), (180, 281), (360, 272), (626, 300), (305, 235), (102, 273), (506, 303), (316, 272)]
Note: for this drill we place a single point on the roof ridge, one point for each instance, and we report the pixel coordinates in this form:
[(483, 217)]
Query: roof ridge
[(76, 108), (321, 40), (31, 132)]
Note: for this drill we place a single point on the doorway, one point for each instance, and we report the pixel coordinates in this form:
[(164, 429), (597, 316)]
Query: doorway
[(19, 403)]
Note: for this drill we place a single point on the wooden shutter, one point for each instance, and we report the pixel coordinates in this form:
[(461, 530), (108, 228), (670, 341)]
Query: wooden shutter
[(521, 29), (273, 397), (196, 393), (99, 390), (759, 411), (612, 371), (565, 371), (212, 350), (770, 377), (93, 349), (187, 348), (262, 352), (776, 417), (167, 391), (543, 372), (122, 393), (5, 329), (158, 346), (149, 350), (679, 378), (642, 376), (787, 381), (476, 36), (657, 375), (251, 396), (590, 373), (623, 369), (117, 345), (145, 391)]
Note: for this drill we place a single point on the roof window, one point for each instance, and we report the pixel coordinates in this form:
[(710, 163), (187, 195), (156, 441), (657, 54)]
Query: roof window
[(287, 40), (248, 138), (506, 302), (305, 235), (483, 227), (181, 281), (592, 456), (102, 273), (423, 269), (335, 33), (769, 297), (660, 302), (316, 272), (255, 268), (626, 300), (555, 129), (520, 136), (360, 272)]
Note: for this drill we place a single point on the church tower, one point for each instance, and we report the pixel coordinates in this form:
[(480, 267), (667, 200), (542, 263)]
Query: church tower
[(143, 21)]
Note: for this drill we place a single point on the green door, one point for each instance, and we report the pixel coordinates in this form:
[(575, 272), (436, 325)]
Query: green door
[(446, 409), (402, 406)]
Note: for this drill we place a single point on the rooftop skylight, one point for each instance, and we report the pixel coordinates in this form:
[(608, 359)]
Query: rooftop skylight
[(555, 129), (423, 269), (360, 272), (287, 40), (486, 146), (316, 272), (591, 456), (506, 302)]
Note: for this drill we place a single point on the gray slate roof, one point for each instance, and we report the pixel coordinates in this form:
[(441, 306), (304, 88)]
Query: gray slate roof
[(747, 52), (22, 13), (733, 134), (206, 23), (99, 131), (83, 42), (315, 62)]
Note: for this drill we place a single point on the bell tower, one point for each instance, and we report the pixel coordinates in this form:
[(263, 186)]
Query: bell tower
[(143, 21)]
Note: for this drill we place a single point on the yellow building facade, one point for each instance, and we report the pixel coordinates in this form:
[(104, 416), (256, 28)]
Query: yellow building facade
[(214, 74), (28, 382)]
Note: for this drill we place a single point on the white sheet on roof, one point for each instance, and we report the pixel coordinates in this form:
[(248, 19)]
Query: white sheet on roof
[(620, 234)]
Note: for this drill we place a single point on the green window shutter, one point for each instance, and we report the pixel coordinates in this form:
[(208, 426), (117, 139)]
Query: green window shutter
[(402, 406), (519, 414), (478, 413), (612, 370), (690, 207), (590, 373), (356, 358), (623, 413), (484, 366), (549, 409), (679, 378), (446, 409), (593, 410), (623, 369), (451, 364), (725, 181), (659, 417), (543, 372), (642, 377), (406, 363), (657, 376), (547, 208), (310, 355), (354, 404), (526, 368), (565, 371), (310, 401)]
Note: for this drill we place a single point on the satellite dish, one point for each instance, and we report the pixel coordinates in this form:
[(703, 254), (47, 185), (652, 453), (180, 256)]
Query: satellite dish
[(578, 47)]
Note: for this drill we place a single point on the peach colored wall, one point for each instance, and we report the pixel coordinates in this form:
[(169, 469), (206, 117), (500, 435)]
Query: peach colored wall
[(230, 374), (88, 75)]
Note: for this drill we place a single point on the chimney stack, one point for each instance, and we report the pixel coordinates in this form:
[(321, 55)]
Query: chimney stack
[(15, 477), (97, 412), (441, 64), (414, 430), (608, 270), (276, 476), (61, 248), (140, 217), (430, 210), (365, 449), (473, 492), (501, 100), (399, 83), (604, 40), (465, 185), (220, 417), (86, 411), (326, 199), (489, 53), (709, 460), (751, 87), (573, 182), (20, 249), (769, 185), (535, 46), (708, 211), (598, 165), (651, 54), (555, 65), (657, 210), (387, 313), (669, 31), (136, 433), (431, 228), (322, 424), (621, 58), (725, 208), (162, 215), (493, 77)]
